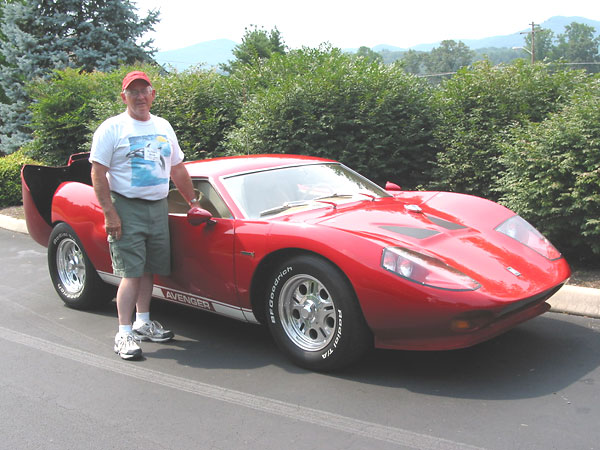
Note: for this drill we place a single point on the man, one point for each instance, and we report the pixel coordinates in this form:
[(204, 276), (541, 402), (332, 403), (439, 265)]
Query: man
[(133, 155)]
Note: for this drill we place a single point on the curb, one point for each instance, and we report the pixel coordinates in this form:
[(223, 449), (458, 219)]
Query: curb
[(12, 224), (576, 300)]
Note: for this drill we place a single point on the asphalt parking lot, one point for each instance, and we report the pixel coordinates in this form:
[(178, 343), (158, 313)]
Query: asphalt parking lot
[(223, 384)]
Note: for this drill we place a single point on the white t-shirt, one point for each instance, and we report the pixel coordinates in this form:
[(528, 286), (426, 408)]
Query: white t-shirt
[(139, 155)]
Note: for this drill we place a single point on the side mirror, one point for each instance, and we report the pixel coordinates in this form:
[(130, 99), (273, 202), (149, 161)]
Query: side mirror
[(389, 186), (197, 216)]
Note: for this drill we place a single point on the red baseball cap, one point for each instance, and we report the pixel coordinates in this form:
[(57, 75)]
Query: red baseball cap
[(135, 75)]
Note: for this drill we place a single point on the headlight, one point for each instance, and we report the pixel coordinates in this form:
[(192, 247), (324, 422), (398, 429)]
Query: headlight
[(426, 270), (519, 229)]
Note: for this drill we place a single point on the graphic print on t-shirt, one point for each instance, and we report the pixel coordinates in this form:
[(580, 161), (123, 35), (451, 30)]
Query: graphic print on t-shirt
[(148, 159)]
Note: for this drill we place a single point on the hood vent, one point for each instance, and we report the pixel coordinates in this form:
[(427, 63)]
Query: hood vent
[(418, 233), (445, 223)]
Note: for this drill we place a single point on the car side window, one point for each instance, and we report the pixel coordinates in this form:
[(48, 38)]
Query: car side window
[(209, 200)]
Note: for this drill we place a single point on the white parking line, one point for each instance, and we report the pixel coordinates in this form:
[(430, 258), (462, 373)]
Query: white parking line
[(294, 412)]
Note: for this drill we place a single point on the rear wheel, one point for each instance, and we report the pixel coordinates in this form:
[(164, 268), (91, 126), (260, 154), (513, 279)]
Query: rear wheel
[(73, 275), (314, 315)]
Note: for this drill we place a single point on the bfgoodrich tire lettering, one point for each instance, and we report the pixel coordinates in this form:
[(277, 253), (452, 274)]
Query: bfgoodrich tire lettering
[(73, 275), (314, 316)]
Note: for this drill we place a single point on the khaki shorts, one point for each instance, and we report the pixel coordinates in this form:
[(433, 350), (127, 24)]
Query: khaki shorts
[(145, 243)]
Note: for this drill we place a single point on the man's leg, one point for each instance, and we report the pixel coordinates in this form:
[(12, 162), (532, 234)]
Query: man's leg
[(127, 296), (144, 293), (158, 261), (125, 345)]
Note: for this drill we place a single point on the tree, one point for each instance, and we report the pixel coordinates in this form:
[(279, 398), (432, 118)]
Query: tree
[(42, 36), (496, 55), (413, 61), (368, 54), (578, 45), (3, 98), (257, 45), (544, 44), (449, 57)]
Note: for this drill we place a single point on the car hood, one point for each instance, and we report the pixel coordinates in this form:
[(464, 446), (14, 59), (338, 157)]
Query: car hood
[(416, 220), (459, 230)]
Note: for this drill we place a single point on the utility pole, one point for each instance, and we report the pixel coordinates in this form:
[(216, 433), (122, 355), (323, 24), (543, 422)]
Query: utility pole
[(532, 32)]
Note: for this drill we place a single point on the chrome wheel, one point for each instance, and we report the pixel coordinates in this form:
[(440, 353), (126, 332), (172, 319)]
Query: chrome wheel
[(70, 265), (307, 312), (73, 275)]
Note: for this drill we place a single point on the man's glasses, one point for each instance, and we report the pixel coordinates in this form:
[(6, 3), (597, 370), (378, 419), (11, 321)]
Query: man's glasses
[(135, 92)]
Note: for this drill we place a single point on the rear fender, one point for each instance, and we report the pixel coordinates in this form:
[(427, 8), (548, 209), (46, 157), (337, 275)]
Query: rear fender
[(76, 204)]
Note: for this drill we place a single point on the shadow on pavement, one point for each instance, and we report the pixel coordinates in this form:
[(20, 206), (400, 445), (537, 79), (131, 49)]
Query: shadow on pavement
[(538, 358)]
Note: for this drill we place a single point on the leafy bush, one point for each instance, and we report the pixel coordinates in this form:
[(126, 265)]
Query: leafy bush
[(553, 174), (321, 102), (476, 107), (200, 105), (521, 133), (68, 108), (10, 178)]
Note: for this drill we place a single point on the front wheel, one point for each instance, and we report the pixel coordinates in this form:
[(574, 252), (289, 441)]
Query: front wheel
[(73, 275), (314, 315)]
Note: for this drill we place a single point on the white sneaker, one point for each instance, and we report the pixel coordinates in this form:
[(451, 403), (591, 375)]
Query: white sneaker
[(126, 346), (153, 331)]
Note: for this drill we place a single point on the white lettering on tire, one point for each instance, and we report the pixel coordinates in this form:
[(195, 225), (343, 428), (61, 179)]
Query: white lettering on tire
[(338, 336), (59, 237), (281, 274)]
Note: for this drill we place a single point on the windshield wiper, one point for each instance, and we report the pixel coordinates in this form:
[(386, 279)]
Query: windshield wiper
[(335, 195), (281, 208), (288, 205)]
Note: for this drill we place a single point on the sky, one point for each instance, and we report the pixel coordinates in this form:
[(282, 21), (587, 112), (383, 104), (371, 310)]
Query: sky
[(351, 23)]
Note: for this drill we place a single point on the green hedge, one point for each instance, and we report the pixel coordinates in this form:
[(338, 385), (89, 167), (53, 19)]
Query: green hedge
[(475, 109), (68, 108), (525, 134), (200, 105), (553, 176), (372, 117), (10, 178)]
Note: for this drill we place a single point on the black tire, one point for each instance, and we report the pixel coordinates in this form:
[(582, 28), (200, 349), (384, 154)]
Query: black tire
[(73, 275), (314, 316)]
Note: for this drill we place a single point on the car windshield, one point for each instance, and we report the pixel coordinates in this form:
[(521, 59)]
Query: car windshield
[(270, 192)]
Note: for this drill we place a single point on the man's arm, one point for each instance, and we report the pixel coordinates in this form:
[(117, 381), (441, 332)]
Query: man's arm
[(112, 220), (183, 182)]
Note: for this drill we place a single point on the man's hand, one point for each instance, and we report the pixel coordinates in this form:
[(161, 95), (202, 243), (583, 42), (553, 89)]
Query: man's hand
[(112, 223)]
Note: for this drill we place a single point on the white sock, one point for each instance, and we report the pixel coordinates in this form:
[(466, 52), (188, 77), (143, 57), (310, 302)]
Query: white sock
[(124, 329), (142, 317)]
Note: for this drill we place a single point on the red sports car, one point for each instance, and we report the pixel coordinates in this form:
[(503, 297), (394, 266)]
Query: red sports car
[(332, 263)]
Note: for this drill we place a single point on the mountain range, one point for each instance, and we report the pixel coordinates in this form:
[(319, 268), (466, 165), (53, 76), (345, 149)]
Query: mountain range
[(219, 51)]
